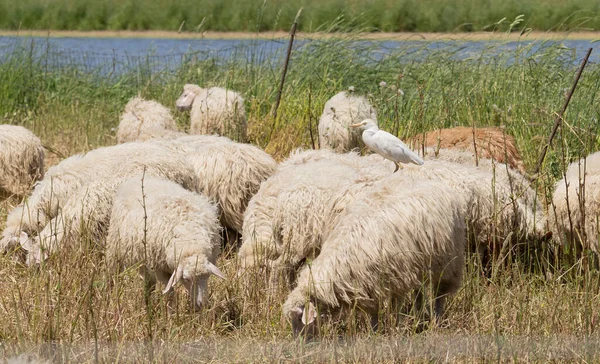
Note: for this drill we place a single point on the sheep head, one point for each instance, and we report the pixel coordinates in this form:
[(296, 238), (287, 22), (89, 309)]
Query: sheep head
[(194, 275), (304, 321), (185, 101), (36, 253)]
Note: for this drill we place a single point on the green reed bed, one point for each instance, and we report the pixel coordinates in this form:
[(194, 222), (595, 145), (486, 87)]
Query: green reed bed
[(262, 15), (547, 296)]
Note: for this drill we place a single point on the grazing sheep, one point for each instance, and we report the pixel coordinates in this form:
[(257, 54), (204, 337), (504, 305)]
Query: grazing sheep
[(498, 202), (341, 111), (214, 110), (86, 211), (21, 160), (383, 247), (143, 120), (228, 172), (175, 233), (576, 203), (68, 176), (285, 221), (492, 143)]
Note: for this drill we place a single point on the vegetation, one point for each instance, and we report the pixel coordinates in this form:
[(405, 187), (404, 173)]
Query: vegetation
[(546, 299), (263, 15)]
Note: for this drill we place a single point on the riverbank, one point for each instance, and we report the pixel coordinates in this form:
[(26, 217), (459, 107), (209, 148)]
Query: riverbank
[(161, 34)]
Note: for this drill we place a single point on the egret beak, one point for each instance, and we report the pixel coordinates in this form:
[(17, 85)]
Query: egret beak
[(356, 125)]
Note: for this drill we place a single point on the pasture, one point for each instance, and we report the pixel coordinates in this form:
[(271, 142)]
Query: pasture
[(544, 297)]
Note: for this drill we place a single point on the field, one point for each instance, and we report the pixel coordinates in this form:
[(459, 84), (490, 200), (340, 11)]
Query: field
[(262, 15), (543, 305)]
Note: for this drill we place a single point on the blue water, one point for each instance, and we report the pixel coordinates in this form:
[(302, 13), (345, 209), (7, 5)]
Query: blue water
[(116, 55)]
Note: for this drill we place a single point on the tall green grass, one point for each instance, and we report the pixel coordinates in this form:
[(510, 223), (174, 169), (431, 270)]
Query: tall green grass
[(264, 15), (71, 302)]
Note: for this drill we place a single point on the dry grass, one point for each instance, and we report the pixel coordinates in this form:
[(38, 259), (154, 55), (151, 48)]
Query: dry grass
[(540, 306)]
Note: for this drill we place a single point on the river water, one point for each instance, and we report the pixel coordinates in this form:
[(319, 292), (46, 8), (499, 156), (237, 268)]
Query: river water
[(91, 54)]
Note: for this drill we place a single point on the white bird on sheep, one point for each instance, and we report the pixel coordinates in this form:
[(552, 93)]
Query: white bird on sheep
[(386, 144)]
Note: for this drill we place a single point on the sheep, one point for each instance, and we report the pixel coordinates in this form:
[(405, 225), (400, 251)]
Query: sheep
[(499, 202), (214, 110), (143, 120), (288, 217), (491, 143), (175, 233), (576, 203), (342, 110), (383, 247), (68, 176), (285, 221), (21, 160), (87, 210), (229, 172)]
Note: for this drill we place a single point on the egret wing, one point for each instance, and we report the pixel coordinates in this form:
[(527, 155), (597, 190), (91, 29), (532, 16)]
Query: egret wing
[(396, 149)]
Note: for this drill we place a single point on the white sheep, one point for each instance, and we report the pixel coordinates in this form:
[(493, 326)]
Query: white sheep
[(384, 246), (85, 213), (285, 221), (21, 160), (145, 119), (214, 110), (173, 232), (228, 172), (287, 218), (498, 202), (62, 180), (341, 111), (576, 203)]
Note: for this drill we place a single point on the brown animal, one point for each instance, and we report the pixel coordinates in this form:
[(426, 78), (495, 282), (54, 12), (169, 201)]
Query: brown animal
[(492, 143)]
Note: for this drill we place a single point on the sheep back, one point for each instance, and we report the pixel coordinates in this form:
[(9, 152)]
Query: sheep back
[(383, 246), (145, 119), (21, 160), (341, 111)]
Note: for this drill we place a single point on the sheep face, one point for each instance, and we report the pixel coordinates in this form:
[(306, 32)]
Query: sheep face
[(194, 276), (304, 321), (33, 246), (185, 101), (8, 243), (196, 287)]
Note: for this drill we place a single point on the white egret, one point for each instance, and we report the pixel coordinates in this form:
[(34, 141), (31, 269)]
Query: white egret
[(386, 145)]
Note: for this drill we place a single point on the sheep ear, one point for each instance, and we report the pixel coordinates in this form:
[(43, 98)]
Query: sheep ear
[(298, 311), (212, 269), (25, 242), (175, 277), (309, 314)]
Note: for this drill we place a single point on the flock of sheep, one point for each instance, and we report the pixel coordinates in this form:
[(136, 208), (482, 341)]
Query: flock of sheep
[(164, 197)]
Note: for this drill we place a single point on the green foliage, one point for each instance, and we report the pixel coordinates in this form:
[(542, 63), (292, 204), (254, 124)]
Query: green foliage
[(263, 15), (518, 89)]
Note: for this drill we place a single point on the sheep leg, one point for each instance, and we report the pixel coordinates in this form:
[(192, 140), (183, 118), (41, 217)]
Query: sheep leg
[(374, 322), (439, 307), (419, 303), (444, 289)]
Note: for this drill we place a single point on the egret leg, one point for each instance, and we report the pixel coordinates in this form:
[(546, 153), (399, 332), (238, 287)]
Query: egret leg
[(398, 166)]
